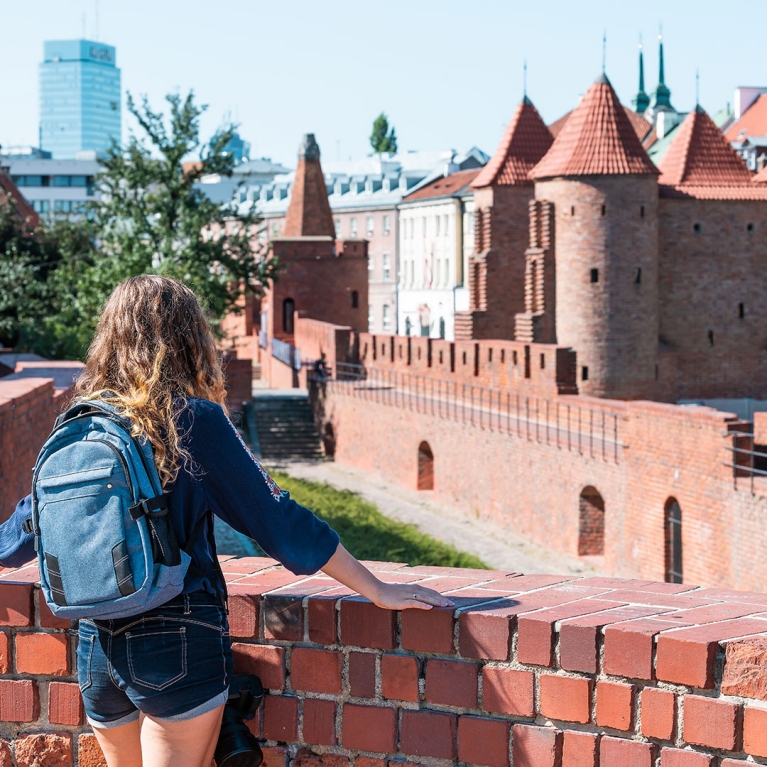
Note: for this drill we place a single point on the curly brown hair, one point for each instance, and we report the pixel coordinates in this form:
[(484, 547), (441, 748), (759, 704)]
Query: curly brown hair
[(152, 344)]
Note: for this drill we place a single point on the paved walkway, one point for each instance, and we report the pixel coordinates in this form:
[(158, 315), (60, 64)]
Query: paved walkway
[(495, 545)]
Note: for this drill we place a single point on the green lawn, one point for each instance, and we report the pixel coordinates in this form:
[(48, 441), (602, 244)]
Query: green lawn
[(367, 533)]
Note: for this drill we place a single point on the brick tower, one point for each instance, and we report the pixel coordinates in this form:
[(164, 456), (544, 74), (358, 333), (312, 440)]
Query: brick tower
[(502, 193), (596, 192)]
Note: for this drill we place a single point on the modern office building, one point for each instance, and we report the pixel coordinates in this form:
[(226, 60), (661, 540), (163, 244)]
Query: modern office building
[(80, 98)]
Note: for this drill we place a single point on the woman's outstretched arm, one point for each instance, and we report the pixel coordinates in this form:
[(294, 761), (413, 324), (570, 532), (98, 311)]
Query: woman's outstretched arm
[(344, 568)]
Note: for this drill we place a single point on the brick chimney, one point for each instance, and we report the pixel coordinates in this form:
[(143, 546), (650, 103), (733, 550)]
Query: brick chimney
[(309, 210)]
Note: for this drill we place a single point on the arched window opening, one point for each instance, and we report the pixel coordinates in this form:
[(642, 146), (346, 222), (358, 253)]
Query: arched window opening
[(673, 541), (591, 523), (425, 467), (288, 310)]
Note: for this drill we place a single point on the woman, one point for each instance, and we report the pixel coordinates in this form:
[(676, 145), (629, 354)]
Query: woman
[(154, 685)]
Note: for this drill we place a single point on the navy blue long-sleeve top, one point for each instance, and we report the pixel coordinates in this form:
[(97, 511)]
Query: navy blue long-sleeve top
[(225, 480)]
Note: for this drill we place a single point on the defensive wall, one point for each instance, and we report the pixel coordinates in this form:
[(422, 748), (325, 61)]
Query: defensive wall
[(499, 436), (529, 671)]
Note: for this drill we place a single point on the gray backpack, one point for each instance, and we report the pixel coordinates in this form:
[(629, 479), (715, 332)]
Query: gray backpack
[(105, 545)]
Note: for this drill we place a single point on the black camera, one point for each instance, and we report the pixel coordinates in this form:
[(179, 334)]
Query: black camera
[(237, 746)]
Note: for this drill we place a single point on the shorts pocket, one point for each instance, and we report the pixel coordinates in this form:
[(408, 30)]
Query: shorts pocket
[(157, 658), (85, 643)]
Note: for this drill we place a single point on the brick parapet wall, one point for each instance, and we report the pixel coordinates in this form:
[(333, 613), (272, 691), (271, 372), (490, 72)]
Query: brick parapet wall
[(526, 471), (28, 407), (534, 671)]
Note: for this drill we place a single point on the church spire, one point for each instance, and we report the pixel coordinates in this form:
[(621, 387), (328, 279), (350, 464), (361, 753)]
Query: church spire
[(641, 101), (661, 98)]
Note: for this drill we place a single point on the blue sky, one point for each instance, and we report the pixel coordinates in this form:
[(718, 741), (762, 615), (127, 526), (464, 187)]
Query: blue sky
[(447, 73)]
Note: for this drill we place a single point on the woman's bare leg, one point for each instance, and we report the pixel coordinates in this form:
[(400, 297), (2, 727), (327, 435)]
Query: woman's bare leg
[(121, 745), (190, 743)]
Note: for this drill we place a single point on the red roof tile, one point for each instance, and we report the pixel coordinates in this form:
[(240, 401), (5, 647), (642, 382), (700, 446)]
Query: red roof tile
[(753, 122), (444, 186), (761, 177), (745, 192), (556, 127), (523, 145), (700, 156), (641, 126), (597, 139), (9, 192)]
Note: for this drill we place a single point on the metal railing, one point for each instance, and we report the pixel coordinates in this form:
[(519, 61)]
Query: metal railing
[(588, 431), (286, 353), (748, 462)]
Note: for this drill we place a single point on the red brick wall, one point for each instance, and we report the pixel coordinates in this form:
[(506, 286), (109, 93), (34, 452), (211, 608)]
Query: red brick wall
[(547, 671), (506, 207), (520, 465), (494, 364), (28, 408)]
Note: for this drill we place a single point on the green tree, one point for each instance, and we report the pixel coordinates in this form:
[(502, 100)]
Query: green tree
[(382, 139), (152, 217)]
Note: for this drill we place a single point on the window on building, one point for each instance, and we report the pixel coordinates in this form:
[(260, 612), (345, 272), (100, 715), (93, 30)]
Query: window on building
[(591, 523), (338, 227), (423, 226), (386, 317), (386, 224), (438, 226), (355, 300), (445, 225), (352, 227), (275, 230), (585, 373), (369, 223), (595, 275), (741, 311), (412, 228), (673, 541), (62, 181), (62, 206), (371, 319), (371, 264), (41, 206), (386, 263), (288, 310)]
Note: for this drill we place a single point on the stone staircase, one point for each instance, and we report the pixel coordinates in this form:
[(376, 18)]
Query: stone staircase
[(285, 427)]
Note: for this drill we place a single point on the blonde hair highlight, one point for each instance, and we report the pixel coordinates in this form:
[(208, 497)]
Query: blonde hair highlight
[(153, 347)]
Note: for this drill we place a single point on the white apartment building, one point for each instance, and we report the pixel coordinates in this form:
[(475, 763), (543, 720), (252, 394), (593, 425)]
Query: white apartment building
[(436, 239)]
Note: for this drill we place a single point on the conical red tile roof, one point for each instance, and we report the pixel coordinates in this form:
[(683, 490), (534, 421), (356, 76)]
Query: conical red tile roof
[(308, 213), (525, 142), (598, 139), (701, 156)]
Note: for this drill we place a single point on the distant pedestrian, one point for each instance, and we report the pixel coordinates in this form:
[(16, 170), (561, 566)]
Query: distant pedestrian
[(321, 367)]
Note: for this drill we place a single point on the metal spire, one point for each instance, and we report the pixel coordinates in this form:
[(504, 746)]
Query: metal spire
[(604, 51), (524, 78), (661, 72), (641, 101)]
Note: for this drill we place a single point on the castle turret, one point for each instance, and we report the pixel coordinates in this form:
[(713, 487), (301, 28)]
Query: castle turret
[(604, 191), (502, 193)]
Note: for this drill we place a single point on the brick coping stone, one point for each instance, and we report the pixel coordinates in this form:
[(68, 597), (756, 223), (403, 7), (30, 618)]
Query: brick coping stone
[(547, 671)]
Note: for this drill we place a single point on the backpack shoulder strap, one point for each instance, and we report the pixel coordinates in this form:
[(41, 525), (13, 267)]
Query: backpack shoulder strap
[(91, 406)]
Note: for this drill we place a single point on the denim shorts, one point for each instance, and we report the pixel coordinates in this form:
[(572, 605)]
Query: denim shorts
[(173, 662)]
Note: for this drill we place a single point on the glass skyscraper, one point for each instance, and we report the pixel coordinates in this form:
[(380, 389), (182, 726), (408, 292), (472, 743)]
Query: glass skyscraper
[(80, 97)]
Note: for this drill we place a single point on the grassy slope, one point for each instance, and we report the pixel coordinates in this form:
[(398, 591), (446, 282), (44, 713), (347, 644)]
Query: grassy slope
[(367, 533)]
